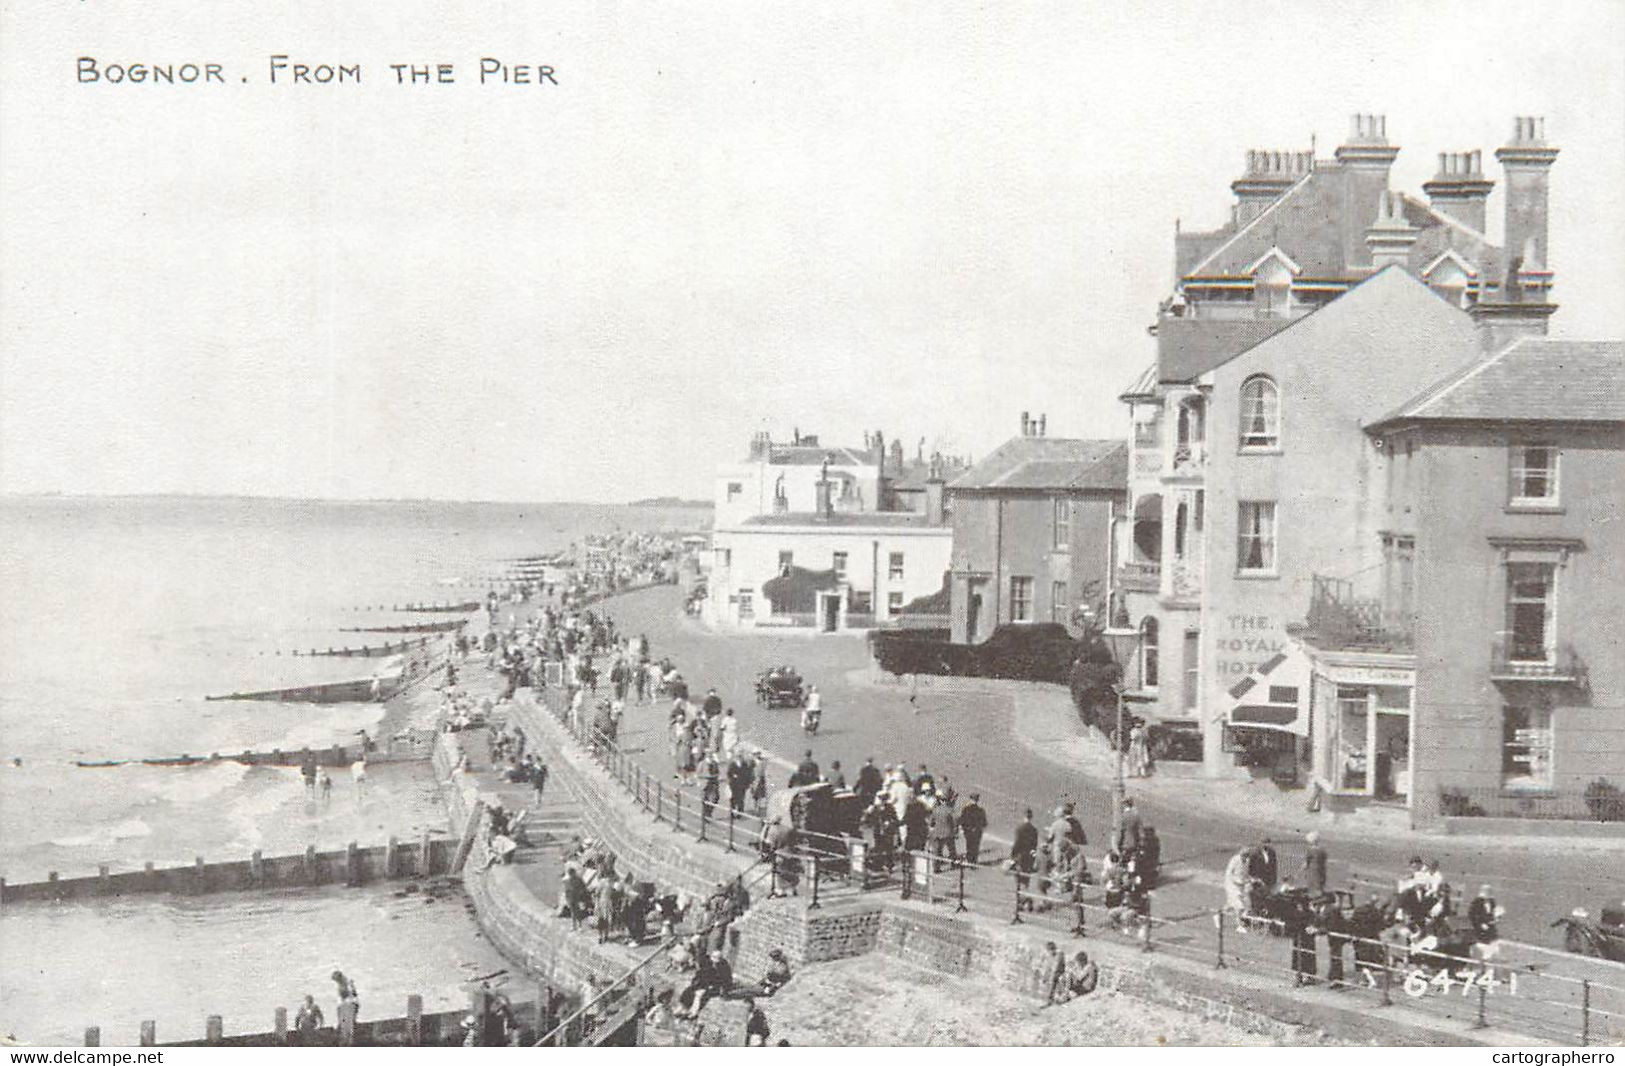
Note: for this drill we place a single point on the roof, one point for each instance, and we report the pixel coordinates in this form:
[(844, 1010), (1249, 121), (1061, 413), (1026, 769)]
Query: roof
[(916, 472), (1314, 224), (1187, 348), (1392, 319), (874, 519), (815, 454), (1036, 463), (1531, 380)]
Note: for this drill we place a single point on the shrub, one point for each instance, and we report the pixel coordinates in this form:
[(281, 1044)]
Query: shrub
[(1456, 803), (1605, 801)]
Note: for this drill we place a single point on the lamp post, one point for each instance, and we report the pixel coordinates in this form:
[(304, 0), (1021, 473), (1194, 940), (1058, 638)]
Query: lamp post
[(1122, 642)]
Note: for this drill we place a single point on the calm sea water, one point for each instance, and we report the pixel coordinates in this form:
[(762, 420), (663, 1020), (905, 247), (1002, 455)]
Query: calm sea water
[(119, 615)]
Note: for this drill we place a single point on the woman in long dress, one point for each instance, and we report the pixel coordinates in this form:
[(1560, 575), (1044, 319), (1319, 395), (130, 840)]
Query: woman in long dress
[(1236, 882)]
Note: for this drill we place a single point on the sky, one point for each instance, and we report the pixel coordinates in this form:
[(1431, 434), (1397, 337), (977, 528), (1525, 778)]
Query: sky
[(920, 218)]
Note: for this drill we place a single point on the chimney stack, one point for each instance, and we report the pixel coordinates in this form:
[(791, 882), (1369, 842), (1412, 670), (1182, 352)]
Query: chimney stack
[(1460, 189), (1267, 177), (1390, 237), (1366, 158), (1527, 162), (934, 485), (1043, 422), (1026, 425)]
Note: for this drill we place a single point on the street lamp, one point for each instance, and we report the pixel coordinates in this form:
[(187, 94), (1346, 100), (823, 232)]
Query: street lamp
[(1122, 642)]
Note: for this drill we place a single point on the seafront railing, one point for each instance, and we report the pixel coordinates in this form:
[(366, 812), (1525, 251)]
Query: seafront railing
[(1481, 993)]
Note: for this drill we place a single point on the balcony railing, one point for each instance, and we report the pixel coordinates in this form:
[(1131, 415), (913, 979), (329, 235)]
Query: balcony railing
[(1140, 577), (1512, 660), (1147, 460), (1189, 458), (1187, 579), (1340, 619)]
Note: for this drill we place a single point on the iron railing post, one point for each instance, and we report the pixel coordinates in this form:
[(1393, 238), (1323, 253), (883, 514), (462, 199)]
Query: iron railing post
[(705, 812), (660, 800), (677, 811), (732, 814), (1016, 919), (1479, 1022), (1585, 1012), (1218, 919), (814, 905), (961, 908)]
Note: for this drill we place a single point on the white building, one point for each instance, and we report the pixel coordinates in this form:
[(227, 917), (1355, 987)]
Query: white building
[(810, 537)]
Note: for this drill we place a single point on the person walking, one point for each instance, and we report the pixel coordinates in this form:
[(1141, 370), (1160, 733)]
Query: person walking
[(327, 789), (358, 776), (942, 833), (1024, 858), (1314, 867), (740, 778), (1129, 832), (1139, 751), (972, 824), (869, 782)]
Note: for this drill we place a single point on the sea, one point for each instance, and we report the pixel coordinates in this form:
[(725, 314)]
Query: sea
[(118, 616)]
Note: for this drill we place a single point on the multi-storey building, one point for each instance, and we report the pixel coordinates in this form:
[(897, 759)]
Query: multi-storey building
[(1032, 531), (1471, 658), (1325, 302), (821, 538)]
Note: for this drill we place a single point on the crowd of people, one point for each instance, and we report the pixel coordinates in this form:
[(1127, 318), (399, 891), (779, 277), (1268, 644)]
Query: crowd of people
[(1420, 920)]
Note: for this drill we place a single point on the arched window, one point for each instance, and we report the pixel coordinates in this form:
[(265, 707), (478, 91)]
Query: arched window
[(1148, 653), (1260, 413)]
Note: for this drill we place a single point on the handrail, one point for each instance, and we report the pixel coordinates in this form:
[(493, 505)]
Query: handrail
[(656, 954)]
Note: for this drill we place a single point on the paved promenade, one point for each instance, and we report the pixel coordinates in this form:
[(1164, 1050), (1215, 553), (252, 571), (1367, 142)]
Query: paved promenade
[(1017, 749)]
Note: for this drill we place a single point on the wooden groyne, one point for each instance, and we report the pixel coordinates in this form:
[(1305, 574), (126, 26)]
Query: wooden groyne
[(411, 1029), (413, 745), (363, 690), (364, 651), (428, 856), (413, 627)]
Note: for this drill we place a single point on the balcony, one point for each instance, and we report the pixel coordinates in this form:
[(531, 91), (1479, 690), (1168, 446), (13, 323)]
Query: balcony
[(1140, 577), (1512, 660), (1186, 583), (1189, 459), (1340, 620)]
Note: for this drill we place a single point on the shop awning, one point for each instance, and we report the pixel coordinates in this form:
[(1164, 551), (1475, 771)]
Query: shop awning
[(1274, 696)]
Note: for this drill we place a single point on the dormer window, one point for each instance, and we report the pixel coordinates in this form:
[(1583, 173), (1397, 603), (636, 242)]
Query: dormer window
[(1272, 284), (1452, 277)]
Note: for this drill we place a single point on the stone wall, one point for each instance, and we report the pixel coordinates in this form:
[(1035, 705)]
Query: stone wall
[(1013, 957), (654, 851)]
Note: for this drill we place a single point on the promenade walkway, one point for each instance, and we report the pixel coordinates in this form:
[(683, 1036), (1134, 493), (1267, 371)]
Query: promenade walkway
[(969, 736)]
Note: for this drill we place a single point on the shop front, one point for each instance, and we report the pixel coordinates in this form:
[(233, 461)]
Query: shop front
[(1364, 727), (1267, 722)]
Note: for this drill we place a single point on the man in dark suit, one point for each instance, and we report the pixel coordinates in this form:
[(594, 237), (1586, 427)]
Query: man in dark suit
[(869, 782), (1128, 832), (1024, 857), (972, 824), (1266, 865)]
